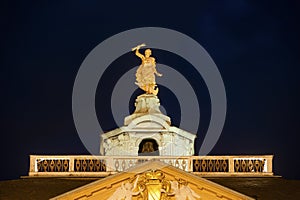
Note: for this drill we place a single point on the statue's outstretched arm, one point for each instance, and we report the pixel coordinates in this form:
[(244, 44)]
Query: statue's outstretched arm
[(139, 54), (158, 74), (137, 51)]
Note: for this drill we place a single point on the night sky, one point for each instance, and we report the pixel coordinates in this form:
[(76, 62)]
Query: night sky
[(255, 45)]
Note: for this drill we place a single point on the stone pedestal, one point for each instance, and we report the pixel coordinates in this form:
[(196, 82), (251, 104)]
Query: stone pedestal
[(146, 104), (147, 130)]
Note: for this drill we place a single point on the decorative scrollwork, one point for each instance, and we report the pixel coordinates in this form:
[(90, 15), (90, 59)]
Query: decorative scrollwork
[(153, 185)]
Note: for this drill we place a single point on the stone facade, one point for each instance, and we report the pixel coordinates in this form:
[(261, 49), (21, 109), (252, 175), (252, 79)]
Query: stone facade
[(153, 180), (147, 131)]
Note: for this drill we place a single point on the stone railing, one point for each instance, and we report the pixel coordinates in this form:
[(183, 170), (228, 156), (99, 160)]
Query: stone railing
[(101, 166)]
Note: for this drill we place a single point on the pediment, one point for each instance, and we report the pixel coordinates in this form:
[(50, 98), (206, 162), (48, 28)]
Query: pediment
[(154, 178)]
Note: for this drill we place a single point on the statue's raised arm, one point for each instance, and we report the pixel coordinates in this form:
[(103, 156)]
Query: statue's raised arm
[(145, 74), (136, 49)]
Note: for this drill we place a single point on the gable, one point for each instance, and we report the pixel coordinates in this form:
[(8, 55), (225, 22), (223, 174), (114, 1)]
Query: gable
[(153, 178)]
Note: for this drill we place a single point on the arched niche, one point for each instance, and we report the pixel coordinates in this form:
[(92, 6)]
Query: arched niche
[(148, 147)]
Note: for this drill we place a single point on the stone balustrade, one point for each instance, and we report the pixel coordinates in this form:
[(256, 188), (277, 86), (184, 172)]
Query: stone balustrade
[(101, 166)]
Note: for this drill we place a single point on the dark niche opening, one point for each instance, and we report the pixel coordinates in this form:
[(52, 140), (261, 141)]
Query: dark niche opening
[(148, 147)]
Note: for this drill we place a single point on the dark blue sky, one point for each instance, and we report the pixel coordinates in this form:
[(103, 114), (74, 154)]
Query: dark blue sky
[(254, 44)]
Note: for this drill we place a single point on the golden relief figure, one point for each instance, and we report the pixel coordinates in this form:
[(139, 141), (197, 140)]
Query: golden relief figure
[(153, 185), (126, 191), (145, 74)]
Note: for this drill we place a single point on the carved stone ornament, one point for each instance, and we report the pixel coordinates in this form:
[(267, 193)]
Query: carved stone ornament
[(152, 185)]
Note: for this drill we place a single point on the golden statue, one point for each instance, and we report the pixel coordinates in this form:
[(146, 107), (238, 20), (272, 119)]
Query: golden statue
[(145, 74)]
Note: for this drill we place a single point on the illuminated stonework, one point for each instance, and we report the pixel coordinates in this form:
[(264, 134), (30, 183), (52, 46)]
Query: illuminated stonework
[(149, 132), (153, 180), (153, 185)]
